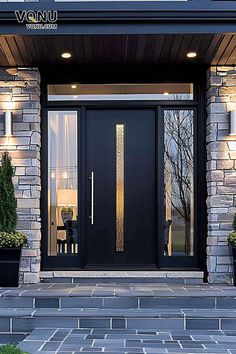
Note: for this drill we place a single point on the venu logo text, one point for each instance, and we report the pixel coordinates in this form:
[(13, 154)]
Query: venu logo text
[(36, 16)]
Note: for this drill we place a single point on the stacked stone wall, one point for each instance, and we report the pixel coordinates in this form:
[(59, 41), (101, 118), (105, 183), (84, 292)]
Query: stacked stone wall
[(221, 171), (20, 91)]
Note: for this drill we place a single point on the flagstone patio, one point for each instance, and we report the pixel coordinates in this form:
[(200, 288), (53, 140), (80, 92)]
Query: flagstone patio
[(115, 341)]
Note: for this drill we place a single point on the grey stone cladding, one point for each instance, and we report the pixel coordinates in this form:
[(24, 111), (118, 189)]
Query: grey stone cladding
[(221, 171), (20, 88)]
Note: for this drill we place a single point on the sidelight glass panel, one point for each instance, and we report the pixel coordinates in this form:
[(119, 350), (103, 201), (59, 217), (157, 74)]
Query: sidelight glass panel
[(120, 187), (62, 183), (178, 183)]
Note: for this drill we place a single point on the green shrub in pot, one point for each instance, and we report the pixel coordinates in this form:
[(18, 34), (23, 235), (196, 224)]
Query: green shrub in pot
[(231, 240), (11, 240)]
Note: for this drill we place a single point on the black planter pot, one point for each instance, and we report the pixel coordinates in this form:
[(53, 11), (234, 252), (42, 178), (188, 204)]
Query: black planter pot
[(9, 266), (233, 252)]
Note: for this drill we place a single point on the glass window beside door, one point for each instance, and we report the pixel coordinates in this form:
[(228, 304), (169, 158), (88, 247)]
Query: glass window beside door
[(62, 183), (178, 183)]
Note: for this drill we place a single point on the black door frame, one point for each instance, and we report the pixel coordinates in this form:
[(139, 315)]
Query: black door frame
[(198, 105)]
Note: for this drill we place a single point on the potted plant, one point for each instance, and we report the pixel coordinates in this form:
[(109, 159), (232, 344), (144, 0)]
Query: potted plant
[(232, 243), (66, 214), (11, 240)]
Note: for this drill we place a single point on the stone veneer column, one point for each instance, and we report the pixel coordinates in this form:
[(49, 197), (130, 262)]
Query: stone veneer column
[(221, 172), (21, 86)]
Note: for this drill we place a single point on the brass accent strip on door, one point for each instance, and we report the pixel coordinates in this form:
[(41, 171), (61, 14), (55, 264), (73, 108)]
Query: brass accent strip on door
[(120, 132)]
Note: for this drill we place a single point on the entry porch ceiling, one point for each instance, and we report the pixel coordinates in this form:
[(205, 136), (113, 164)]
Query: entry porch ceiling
[(217, 49)]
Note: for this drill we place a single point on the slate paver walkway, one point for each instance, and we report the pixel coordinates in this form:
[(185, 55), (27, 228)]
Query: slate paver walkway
[(87, 341), (135, 304), (118, 289)]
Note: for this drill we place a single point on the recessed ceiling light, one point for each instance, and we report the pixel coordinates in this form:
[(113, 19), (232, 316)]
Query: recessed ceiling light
[(166, 93), (66, 55), (73, 86), (191, 55), (221, 73)]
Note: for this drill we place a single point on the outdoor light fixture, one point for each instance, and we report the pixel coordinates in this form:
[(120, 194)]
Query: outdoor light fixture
[(166, 93), (73, 86), (66, 55), (191, 55), (232, 122), (8, 123)]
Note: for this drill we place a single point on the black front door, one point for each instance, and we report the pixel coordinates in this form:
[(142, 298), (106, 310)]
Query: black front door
[(121, 187)]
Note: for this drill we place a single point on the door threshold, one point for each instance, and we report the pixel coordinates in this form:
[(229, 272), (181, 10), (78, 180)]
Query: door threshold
[(163, 276)]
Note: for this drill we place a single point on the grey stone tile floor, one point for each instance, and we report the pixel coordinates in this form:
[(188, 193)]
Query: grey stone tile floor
[(116, 341), (118, 289), (115, 301)]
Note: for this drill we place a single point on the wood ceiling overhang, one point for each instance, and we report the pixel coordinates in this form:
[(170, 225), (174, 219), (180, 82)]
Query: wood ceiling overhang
[(212, 49)]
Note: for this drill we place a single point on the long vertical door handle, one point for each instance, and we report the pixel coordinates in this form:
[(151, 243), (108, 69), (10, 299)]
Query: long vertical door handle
[(92, 198)]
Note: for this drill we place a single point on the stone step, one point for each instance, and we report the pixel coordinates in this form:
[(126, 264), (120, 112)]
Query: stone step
[(18, 320), (122, 276), (120, 341), (137, 300)]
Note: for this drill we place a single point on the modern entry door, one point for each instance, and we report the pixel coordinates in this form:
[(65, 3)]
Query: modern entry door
[(121, 187)]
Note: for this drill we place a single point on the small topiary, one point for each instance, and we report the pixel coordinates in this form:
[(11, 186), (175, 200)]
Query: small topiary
[(8, 215), (231, 240), (9, 237)]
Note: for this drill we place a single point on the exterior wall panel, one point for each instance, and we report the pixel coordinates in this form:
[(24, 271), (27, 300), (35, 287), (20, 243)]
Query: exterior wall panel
[(20, 88), (221, 174)]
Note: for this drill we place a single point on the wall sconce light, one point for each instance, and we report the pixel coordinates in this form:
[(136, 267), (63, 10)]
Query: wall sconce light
[(8, 123), (232, 122)]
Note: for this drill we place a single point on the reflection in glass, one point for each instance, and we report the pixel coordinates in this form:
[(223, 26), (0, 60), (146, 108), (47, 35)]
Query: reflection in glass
[(178, 176), (161, 91), (120, 187), (62, 183)]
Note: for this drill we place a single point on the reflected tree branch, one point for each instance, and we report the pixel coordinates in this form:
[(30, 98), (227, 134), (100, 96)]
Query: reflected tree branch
[(178, 154)]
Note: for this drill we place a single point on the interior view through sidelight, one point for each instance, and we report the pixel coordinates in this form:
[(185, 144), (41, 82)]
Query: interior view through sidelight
[(62, 183)]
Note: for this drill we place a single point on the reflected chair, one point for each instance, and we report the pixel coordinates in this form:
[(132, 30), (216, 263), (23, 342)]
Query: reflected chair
[(71, 235)]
